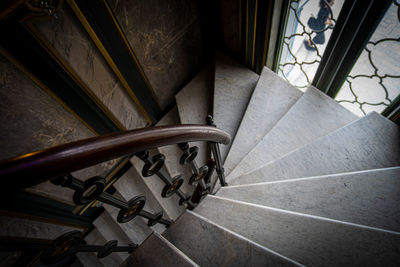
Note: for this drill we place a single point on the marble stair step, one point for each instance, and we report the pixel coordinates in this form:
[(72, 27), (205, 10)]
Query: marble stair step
[(233, 87), (370, 198), (194, 104), (372, 142), (307, 239), (209, 244), (111, 230), (157, 251), (130, 185), (172, 167), (89, 259), (95, 237), (314, 115), (271, 99), (136, 229)]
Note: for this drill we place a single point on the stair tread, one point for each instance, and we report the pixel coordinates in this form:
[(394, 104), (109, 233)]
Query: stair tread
[(370, 198), (233, 87), (157, 251), (136, 229), (172, 154), (372, 142), (194, 236), (111, 230), (307, 239), (95, 237), (131, 185), (271, 99), (193, 103), (314, 115)]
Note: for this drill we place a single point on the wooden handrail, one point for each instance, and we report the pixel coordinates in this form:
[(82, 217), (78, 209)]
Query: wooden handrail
[(34, 168)]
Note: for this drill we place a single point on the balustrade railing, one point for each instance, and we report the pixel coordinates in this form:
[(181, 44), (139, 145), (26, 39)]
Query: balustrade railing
[(56, 164), (62, 247)]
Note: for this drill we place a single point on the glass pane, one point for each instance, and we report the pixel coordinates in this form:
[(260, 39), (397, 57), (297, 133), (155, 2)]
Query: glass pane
[(308, 29), (374, 81)]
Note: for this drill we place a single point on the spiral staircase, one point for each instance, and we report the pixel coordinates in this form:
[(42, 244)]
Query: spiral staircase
[(309, 183)]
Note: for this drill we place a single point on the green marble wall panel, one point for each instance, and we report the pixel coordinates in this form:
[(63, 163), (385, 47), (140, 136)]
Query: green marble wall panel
[(166, 37), (67, 36), (32, 120)]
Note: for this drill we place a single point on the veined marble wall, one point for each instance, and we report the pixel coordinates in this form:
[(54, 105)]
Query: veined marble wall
[(167, 40), (71, 41), (31, 120)]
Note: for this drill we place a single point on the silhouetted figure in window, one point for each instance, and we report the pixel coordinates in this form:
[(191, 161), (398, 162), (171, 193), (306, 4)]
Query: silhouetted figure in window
[(318, 24)]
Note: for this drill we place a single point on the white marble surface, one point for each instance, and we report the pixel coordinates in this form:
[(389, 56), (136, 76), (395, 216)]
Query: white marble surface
[(131, 185), (313, 116), (218, 246), (233, 87), (369, 198), (136, 229), (157, 251), (193, 103), (310, 240), (20, 227), (96, 238), (111, 230), (173, 153), (271, 99), (371, 142)]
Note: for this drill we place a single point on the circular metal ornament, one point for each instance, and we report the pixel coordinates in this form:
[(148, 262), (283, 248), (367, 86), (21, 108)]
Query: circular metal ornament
[(107, 249), (63, 246), (169, 190), (189, 156), (92, 189), (136, 204), (150, 169), (154, 221), (195, 178)]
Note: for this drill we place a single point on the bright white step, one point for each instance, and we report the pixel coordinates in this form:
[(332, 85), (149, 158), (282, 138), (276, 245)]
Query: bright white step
[(310, 240), (371, 142), (158, 252), (369, 198), (313, 116), (233, 87), (209, 244), (193, 103), (271, 99)]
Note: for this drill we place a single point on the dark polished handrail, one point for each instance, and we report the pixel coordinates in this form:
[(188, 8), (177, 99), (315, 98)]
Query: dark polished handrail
[(34, 168)]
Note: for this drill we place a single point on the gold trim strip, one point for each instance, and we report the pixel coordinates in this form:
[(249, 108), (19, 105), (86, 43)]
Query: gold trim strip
[(132, 53), (43, 87), (254, 35), (247, 29), (71, 73), (108, 58), (239, 3), (10, 8), (396, 116), (267, 32)]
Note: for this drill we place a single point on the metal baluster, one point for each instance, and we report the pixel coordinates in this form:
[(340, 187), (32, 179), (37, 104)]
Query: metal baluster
[(189, 157), (153, 166), (92, 189), (72, 242), (217, 155)]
